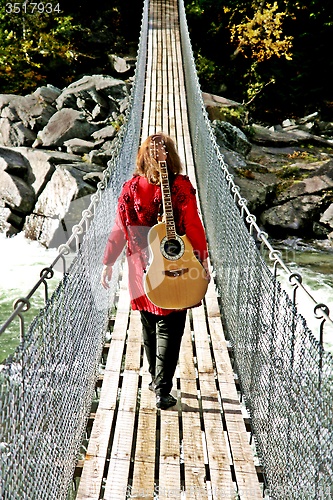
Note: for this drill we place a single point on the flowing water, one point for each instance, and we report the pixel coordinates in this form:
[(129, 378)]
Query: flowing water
[(22, 261), (315, 265)]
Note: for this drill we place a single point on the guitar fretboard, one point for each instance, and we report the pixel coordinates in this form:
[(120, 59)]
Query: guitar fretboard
[(167, 204)]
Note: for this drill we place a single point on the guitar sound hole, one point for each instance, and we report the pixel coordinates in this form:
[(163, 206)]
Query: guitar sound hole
[(172, 248)]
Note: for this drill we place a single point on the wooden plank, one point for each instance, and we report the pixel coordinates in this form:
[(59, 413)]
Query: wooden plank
[(246, 476), (218, 452), (217, 445), (117, 477), (91, 479), (143, 484), (169, 469), (133, 343), (193, 452)]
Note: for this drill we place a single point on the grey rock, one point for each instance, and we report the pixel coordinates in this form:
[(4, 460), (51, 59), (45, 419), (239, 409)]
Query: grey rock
[(32, 110), (119, 64), (91, 91), (101, 157), (295, 216), (15, 193), (319, 182), (65, 124), (41, 167), (54, 205), (232, 137), (263, 136), (48, 93), (10, 223), (16, 134), (108, 132), (5, 225), (80, 146), (327, 216), (13, 162), (220, 108)]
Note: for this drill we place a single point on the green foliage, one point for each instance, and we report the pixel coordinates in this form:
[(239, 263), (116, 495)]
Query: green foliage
[(31, 42), (289, 172), (270, 55), (56, 42)]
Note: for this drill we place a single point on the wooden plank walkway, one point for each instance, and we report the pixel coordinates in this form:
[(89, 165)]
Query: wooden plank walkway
[(198, 449)]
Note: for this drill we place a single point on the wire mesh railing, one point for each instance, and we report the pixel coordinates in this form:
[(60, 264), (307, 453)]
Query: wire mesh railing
[(285, 374), (47, 385)]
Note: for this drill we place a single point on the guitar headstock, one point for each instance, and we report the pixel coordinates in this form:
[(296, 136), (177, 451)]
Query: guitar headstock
[(157, 149)]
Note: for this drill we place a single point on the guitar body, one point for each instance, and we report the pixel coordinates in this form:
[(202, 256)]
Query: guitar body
[(175, 279)]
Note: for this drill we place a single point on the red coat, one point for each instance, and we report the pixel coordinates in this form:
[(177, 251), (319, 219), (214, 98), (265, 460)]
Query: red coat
[(138, 207)]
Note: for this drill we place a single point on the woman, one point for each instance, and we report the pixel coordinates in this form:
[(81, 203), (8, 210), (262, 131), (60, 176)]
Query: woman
[(139, 207)]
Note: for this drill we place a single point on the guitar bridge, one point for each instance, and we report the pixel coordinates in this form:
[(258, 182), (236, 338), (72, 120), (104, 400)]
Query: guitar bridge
[(175, 272)]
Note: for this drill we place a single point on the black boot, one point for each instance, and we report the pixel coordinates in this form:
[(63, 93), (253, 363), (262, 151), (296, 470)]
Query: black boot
[(164, 402)]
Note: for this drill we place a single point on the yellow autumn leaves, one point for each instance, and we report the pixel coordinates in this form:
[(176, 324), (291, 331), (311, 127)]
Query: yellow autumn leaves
[(262, 37)]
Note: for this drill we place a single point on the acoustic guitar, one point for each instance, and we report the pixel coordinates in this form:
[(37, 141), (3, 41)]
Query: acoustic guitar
[(174, 278)]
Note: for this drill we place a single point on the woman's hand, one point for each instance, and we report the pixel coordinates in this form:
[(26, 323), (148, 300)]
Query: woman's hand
[(206, 268), (106, 276)]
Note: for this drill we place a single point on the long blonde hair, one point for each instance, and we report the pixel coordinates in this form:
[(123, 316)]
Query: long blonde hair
[(147, 166)]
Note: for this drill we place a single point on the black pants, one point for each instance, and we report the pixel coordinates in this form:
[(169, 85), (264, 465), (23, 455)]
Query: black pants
[(162, 336)]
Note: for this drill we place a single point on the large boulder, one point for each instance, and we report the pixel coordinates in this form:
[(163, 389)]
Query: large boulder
[(15, 134), (80, 146), (16, 178), (15, 193), (317, 182), (296, 216), (54, 214), (13, 162), (221, 108), (21, 117), (267, 137), (65, 124), (119, 64), (99, 97), (232, 137), (43, 164), (327, 217)]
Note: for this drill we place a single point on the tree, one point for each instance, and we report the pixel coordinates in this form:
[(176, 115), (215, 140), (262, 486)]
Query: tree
[(56, 42), (33, 44), (249, 45)]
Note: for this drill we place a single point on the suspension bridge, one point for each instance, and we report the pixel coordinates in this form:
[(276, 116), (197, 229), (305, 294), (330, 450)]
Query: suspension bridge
[(75, 405)]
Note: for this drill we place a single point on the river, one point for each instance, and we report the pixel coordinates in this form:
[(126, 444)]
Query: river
[(315, 265), (22, 261)]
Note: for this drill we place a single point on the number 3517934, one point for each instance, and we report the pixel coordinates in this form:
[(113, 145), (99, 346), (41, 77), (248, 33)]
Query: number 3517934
[(32, 7)]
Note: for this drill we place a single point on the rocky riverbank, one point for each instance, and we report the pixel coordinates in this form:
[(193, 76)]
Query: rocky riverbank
[(55, 144), (285, 172)]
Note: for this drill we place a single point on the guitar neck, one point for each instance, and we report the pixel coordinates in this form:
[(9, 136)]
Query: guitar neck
[(167, 204)]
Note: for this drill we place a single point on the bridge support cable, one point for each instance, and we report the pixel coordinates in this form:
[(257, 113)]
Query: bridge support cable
[(284, 371)]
